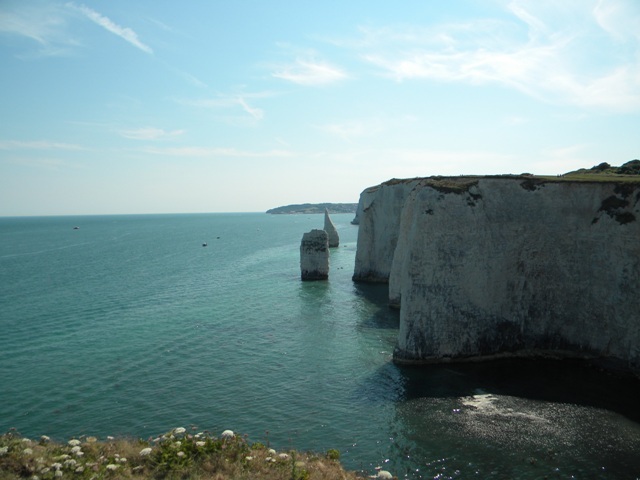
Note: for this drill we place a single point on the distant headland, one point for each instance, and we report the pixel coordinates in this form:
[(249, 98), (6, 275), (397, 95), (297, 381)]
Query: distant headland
[(305, 208)]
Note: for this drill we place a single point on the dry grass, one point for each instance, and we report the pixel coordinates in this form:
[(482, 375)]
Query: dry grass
[(590, 177), (177, 454)]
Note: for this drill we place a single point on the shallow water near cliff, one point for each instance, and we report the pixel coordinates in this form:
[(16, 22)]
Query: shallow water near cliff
[(129, 326)]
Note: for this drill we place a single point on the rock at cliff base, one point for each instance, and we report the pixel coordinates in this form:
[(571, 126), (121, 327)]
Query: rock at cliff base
[(330, 228), (314, 255)]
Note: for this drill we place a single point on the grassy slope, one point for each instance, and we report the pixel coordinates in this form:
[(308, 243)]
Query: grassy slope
[(177, 454)]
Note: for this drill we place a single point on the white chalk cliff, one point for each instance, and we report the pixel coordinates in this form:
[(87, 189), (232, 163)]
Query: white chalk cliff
[(330, 228), (491, 266)]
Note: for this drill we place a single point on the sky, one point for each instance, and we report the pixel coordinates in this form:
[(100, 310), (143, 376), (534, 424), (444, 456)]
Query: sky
[(158, 106)]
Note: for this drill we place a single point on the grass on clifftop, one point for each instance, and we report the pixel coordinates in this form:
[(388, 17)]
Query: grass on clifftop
[(177, 454), (627, 173)]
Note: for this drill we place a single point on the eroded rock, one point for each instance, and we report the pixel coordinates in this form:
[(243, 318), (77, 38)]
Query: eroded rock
[(329, 227), (314, 255)]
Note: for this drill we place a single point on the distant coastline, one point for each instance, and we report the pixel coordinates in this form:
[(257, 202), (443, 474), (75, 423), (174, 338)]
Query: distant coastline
[(306, 208)]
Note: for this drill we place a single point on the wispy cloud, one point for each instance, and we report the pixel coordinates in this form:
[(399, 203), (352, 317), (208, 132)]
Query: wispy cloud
[(44, 24), (346, 130), (575, 52), (193, 80), (37, 145), (563, 159), (225, 101), (371, 126), (195, 151), (256, 113), (310, 73), (150, 133), (125, 33), (620, 19)]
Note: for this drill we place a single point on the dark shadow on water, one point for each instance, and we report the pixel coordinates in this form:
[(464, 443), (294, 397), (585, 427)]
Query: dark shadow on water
[(382, 317), (560, 381), (377, 293), (313, 291)]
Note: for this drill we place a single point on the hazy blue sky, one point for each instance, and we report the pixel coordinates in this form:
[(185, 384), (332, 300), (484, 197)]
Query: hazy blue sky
[(144, 106)]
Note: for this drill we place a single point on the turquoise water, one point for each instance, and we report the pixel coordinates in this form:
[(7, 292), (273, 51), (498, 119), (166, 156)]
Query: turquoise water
[(128, 326)]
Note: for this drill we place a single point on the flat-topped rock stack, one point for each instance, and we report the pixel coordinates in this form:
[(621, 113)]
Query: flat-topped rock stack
[(314, 255)]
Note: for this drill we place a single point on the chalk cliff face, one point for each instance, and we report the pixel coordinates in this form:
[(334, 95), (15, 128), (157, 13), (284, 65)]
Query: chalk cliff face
[(378, 215), (484, 267)]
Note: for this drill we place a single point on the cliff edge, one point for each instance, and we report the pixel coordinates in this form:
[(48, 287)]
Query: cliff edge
[(507, 265)]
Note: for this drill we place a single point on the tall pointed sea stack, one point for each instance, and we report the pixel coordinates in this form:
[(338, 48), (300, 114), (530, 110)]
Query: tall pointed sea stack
[(314, 255), (329, 227)]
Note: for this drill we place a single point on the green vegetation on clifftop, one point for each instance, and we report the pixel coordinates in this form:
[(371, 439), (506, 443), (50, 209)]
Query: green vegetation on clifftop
[(177, 454)]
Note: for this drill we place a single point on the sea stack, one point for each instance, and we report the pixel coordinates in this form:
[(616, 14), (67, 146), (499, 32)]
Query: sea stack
[(330, 228), (314, 255)]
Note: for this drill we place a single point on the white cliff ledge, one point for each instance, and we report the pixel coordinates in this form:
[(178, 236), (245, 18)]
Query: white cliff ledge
[(514, 265)]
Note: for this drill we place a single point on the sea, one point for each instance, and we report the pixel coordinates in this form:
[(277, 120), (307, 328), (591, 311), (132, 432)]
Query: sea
[(129, 326)]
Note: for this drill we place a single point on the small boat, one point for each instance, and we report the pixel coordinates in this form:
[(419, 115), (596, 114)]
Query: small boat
[(204, 244), (76, 228)]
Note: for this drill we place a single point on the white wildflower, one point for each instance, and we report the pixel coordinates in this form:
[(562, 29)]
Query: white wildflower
[(112, 467), (180, 454), (122, 460), (63, 457), (383, 474), (35, 477), (70, 463), (249, 458), (58, 474), (178, 443), (80, 469), (200, 444), (179, 430), (45, 470), (44, 439), (283, 456), (74, 442), (228, 434), (110, 438), (92, 439), (26, 440), (268, 459), (79, 453), (4, 450), (27, 451), (145, 451), (76, 449), (271, 451), (56, 465)]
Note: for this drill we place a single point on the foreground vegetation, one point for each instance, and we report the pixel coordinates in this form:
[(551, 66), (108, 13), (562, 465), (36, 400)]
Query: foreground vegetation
[(178, 454)]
